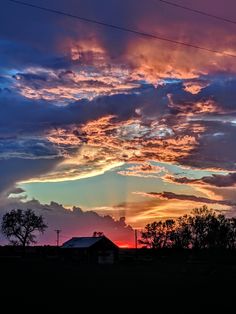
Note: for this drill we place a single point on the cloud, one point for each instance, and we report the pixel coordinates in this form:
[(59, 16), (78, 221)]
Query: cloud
[(139, 213), (16, 191), (74, 222), (55, 41), (214, 149), (144, 170), (107, 143), (78, 100), (195, 86), (163, 124), (184, 197), (17, 169), (65, 86), (218, 180)]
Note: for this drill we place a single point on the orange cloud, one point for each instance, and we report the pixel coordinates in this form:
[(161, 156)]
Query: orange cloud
[(144, 170), (185, 197), (105, 143), (67, 86), (138, 214), (194, 87)]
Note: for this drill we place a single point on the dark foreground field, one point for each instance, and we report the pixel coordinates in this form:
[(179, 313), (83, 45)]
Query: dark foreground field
[(183, 282)]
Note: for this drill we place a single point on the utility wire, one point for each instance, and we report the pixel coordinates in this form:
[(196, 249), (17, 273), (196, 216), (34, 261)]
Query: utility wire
[(174, 4), (121, 28)]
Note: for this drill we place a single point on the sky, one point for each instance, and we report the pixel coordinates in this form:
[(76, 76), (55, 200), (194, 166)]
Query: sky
[(105, 130)]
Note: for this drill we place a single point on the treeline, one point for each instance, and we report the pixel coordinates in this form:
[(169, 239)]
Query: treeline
[(202, 229)]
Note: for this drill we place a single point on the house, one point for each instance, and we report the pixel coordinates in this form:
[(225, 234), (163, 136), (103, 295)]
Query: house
[(99, 250)]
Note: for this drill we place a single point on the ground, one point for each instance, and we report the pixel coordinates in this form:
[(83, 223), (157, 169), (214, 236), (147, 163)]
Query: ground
[(181, 282)]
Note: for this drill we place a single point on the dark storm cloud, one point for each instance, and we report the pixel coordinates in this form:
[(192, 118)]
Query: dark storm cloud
[(215, 148), (27, 148), (36, 59), (41, 33), (220, 89), (34, 116), (212, 109), (20, 113), (24, 124), (75, 222), (16, 191), (17, 169), (216, 180), (189, 198), (16, 56)]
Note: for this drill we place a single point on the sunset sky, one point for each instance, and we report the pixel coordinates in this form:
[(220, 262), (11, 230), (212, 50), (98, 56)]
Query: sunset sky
[(98, 124)]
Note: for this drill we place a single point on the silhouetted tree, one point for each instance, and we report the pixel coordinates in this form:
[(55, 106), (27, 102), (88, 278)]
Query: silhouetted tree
[(182, 234), (19, 226), (209, 230), (232, 241), (98, 234), (204, 228), (158, 234)]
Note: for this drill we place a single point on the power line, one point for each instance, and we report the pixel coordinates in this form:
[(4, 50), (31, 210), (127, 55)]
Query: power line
[(174, 4), (121, 28)]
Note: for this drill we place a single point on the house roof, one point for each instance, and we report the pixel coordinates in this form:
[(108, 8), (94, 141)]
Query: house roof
[(81, 242)]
